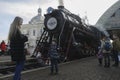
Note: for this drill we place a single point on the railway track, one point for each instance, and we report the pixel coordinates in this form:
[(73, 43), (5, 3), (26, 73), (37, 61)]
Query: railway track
[(9, 67)]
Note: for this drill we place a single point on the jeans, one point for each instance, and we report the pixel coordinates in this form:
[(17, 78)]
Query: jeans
[(107, 59), (100, 60), (115, 53), (19, 68), (54, 65)]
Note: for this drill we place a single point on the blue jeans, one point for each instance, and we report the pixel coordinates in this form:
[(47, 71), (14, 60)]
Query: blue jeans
[(115, 53), (19, 68), (54, 65), (107, 59)]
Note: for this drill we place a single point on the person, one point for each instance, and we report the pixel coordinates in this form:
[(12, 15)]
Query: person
[(53, 54), (3, 47), (36, 51), (116, 49), (17, 41), (106, 49), (40, 59), (100, 55)]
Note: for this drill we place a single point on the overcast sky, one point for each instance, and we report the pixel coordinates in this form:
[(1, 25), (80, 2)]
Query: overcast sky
[(28, 9)]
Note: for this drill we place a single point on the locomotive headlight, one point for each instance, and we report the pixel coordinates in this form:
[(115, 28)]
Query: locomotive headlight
[(51, 23)]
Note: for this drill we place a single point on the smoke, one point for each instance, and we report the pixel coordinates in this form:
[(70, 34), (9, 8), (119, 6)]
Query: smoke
[(102, 28)]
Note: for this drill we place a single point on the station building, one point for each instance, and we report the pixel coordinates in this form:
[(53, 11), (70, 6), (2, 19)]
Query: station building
[(110, 20)]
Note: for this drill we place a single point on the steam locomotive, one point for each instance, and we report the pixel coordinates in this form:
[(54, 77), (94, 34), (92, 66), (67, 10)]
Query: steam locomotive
[(74, 39)]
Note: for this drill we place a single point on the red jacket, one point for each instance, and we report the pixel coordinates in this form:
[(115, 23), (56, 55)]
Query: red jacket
[(3, 46)]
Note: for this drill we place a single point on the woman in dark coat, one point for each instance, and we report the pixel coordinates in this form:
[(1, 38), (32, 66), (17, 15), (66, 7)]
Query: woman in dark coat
[(17, 41)]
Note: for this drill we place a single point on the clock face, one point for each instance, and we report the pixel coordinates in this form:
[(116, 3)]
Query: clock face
[(51, 23)]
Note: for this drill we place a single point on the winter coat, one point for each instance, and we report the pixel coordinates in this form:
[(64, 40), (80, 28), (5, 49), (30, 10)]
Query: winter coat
[(17, 47), (116, 45), (53, 54), (3, 46), (100, 54)]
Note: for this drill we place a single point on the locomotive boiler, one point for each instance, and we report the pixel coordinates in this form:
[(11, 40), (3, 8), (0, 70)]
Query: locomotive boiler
[(74, 39)]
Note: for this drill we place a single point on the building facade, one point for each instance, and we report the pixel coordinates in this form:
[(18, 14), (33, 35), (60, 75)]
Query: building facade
[(33, 30)]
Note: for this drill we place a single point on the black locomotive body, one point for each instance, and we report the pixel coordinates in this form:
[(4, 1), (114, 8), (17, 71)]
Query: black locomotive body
[(74, 39)]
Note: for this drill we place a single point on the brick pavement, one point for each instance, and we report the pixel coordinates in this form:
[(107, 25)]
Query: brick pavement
[(84, 69)]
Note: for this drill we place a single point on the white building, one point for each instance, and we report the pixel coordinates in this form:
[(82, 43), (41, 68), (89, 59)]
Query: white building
[(33, 30)]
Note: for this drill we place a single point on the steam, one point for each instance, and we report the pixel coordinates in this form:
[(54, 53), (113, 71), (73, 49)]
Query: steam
[(102, 28)]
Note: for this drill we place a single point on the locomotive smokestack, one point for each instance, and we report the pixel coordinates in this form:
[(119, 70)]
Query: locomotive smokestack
[(61, 4)]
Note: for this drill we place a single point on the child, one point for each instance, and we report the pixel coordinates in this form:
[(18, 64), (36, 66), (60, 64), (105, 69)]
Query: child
[(100, 56)]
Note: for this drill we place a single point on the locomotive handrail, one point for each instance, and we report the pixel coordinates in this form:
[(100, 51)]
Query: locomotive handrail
[(38, 42), (76, 21), (68, 47), (61, 33)]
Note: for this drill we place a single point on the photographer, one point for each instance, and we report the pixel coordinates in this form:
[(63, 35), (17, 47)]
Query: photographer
[(17, 41)]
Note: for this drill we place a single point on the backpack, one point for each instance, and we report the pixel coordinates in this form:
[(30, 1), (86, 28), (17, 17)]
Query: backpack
[(107, 46)]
